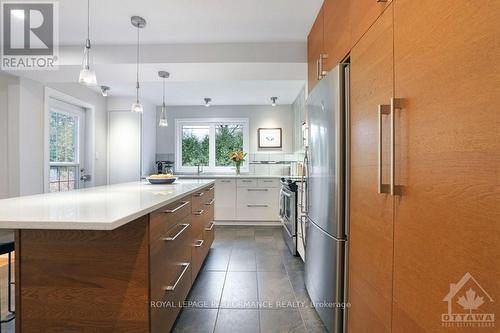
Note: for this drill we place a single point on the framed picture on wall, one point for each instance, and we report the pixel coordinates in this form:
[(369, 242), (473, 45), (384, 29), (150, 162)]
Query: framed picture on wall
[(270, 137)]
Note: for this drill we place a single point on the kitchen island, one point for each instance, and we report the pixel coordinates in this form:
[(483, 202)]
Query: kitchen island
[(117, 258)]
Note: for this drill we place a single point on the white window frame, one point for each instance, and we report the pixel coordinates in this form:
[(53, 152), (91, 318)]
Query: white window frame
[(212, 123)]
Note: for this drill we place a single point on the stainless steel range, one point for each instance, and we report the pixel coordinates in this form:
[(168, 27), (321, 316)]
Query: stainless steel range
[(288, 213)]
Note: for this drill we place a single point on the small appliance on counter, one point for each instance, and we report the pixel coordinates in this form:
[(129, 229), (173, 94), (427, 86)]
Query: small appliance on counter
[(165, 167)]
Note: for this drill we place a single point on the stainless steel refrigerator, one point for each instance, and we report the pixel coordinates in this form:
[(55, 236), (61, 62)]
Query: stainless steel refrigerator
[(326, 196)]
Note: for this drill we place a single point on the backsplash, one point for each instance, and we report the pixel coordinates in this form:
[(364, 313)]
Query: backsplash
[(264, 164)]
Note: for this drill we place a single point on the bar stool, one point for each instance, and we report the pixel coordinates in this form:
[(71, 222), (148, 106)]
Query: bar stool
[(7, 247)]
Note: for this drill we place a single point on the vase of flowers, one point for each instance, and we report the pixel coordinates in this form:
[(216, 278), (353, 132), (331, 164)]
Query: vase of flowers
[(237, 157)]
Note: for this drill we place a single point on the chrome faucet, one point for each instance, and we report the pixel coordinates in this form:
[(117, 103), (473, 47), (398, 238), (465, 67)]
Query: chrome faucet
[(200, 169)]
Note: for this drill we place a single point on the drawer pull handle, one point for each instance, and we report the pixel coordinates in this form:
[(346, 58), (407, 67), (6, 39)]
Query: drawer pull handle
[(199, 194), (185, 226), (210, 203), (211, 188), (211, 227), (257, 190), (268, 181), (225, 181), (172, 288), (246, 181), (258, 206), (182, 204), (200, 243), (199, 212)]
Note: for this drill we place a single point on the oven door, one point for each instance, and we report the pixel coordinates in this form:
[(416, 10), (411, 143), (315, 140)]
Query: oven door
[(288, 211)]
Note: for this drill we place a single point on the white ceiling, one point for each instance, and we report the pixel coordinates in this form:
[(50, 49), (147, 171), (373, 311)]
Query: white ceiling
[(237, 52), (188, 21)]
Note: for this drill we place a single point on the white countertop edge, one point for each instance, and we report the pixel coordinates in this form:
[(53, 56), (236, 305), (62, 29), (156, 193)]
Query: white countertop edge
[(98, 226)]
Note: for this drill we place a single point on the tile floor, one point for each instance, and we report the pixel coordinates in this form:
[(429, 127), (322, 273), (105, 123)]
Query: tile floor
[(249, 283)]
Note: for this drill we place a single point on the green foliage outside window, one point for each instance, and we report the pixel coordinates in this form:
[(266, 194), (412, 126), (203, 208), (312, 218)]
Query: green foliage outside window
[(63, 141), (195, 145), (228, 138)]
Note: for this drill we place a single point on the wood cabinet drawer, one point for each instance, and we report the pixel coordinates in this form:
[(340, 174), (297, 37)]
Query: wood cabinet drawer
[(166, 217), (165, 307), (199, 220), (201, 198), (268, 183), (246, 182), (209, 235)]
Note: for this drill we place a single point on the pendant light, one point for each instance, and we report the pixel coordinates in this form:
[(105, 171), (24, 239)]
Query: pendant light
[(105, 90), (87, 75), (139, 23), (163, 114)]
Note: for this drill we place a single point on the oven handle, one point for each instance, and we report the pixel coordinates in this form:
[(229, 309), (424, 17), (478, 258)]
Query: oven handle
[(305, 171)]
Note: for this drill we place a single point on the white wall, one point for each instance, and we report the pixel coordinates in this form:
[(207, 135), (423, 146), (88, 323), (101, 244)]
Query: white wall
[(7, 83), (149, 126), (25, 138), (260, 116)]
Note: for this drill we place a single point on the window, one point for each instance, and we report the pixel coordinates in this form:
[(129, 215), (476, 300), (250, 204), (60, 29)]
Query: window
[(208, 143), (65, 152)]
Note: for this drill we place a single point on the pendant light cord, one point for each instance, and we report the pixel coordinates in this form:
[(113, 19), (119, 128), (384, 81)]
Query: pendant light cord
[(137, 77), (164, 91), (88, 19)]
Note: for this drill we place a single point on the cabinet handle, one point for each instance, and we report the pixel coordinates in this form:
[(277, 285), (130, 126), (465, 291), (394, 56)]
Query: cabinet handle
[(199, 212), (256, 206), (268, 181), (200, 243), (182, 204), (383, 109), (322, 73), (257, 190), (199, 194), (246, 181), (210, 203), (225, 181), (318, 75), (211, 227), (211, 188), (381, 0), (172, 288), (185, 226), (395, 104)]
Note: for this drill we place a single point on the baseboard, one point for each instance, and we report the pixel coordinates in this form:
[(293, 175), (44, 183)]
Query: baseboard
[(250, 223)]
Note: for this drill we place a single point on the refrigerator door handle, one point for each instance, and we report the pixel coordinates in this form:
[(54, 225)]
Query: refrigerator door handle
[(383, 109), (305, 174)]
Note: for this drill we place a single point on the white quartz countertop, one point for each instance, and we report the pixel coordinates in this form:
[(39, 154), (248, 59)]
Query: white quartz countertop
[(98, 208), (223, 176)]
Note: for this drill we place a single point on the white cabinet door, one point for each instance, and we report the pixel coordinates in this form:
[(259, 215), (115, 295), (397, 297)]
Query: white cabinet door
[(225, 200)]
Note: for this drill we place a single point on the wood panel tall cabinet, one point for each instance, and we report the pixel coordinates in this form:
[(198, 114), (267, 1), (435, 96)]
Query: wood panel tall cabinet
[(371, 213), (315, 48), (447, 220), (425, 96)]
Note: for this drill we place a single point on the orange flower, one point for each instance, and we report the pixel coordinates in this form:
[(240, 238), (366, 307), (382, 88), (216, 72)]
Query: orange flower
[(237, 156)]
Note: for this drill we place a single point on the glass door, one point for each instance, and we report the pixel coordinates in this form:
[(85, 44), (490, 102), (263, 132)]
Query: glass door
[(66, 146)]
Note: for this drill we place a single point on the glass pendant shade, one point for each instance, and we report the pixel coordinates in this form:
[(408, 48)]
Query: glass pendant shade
[(163, 117), (137, 107), (87, 76)]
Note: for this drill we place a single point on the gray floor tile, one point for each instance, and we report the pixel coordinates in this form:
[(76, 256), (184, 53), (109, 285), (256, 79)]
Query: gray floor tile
[(274, 289), (217, 259), (240, 290), (312, 321), (242, 260), (292, 263), (207, 290), (282, 320), (299, 287), (246, 232), (241, 321), (267, 263), (196, 321), (244, 243)]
